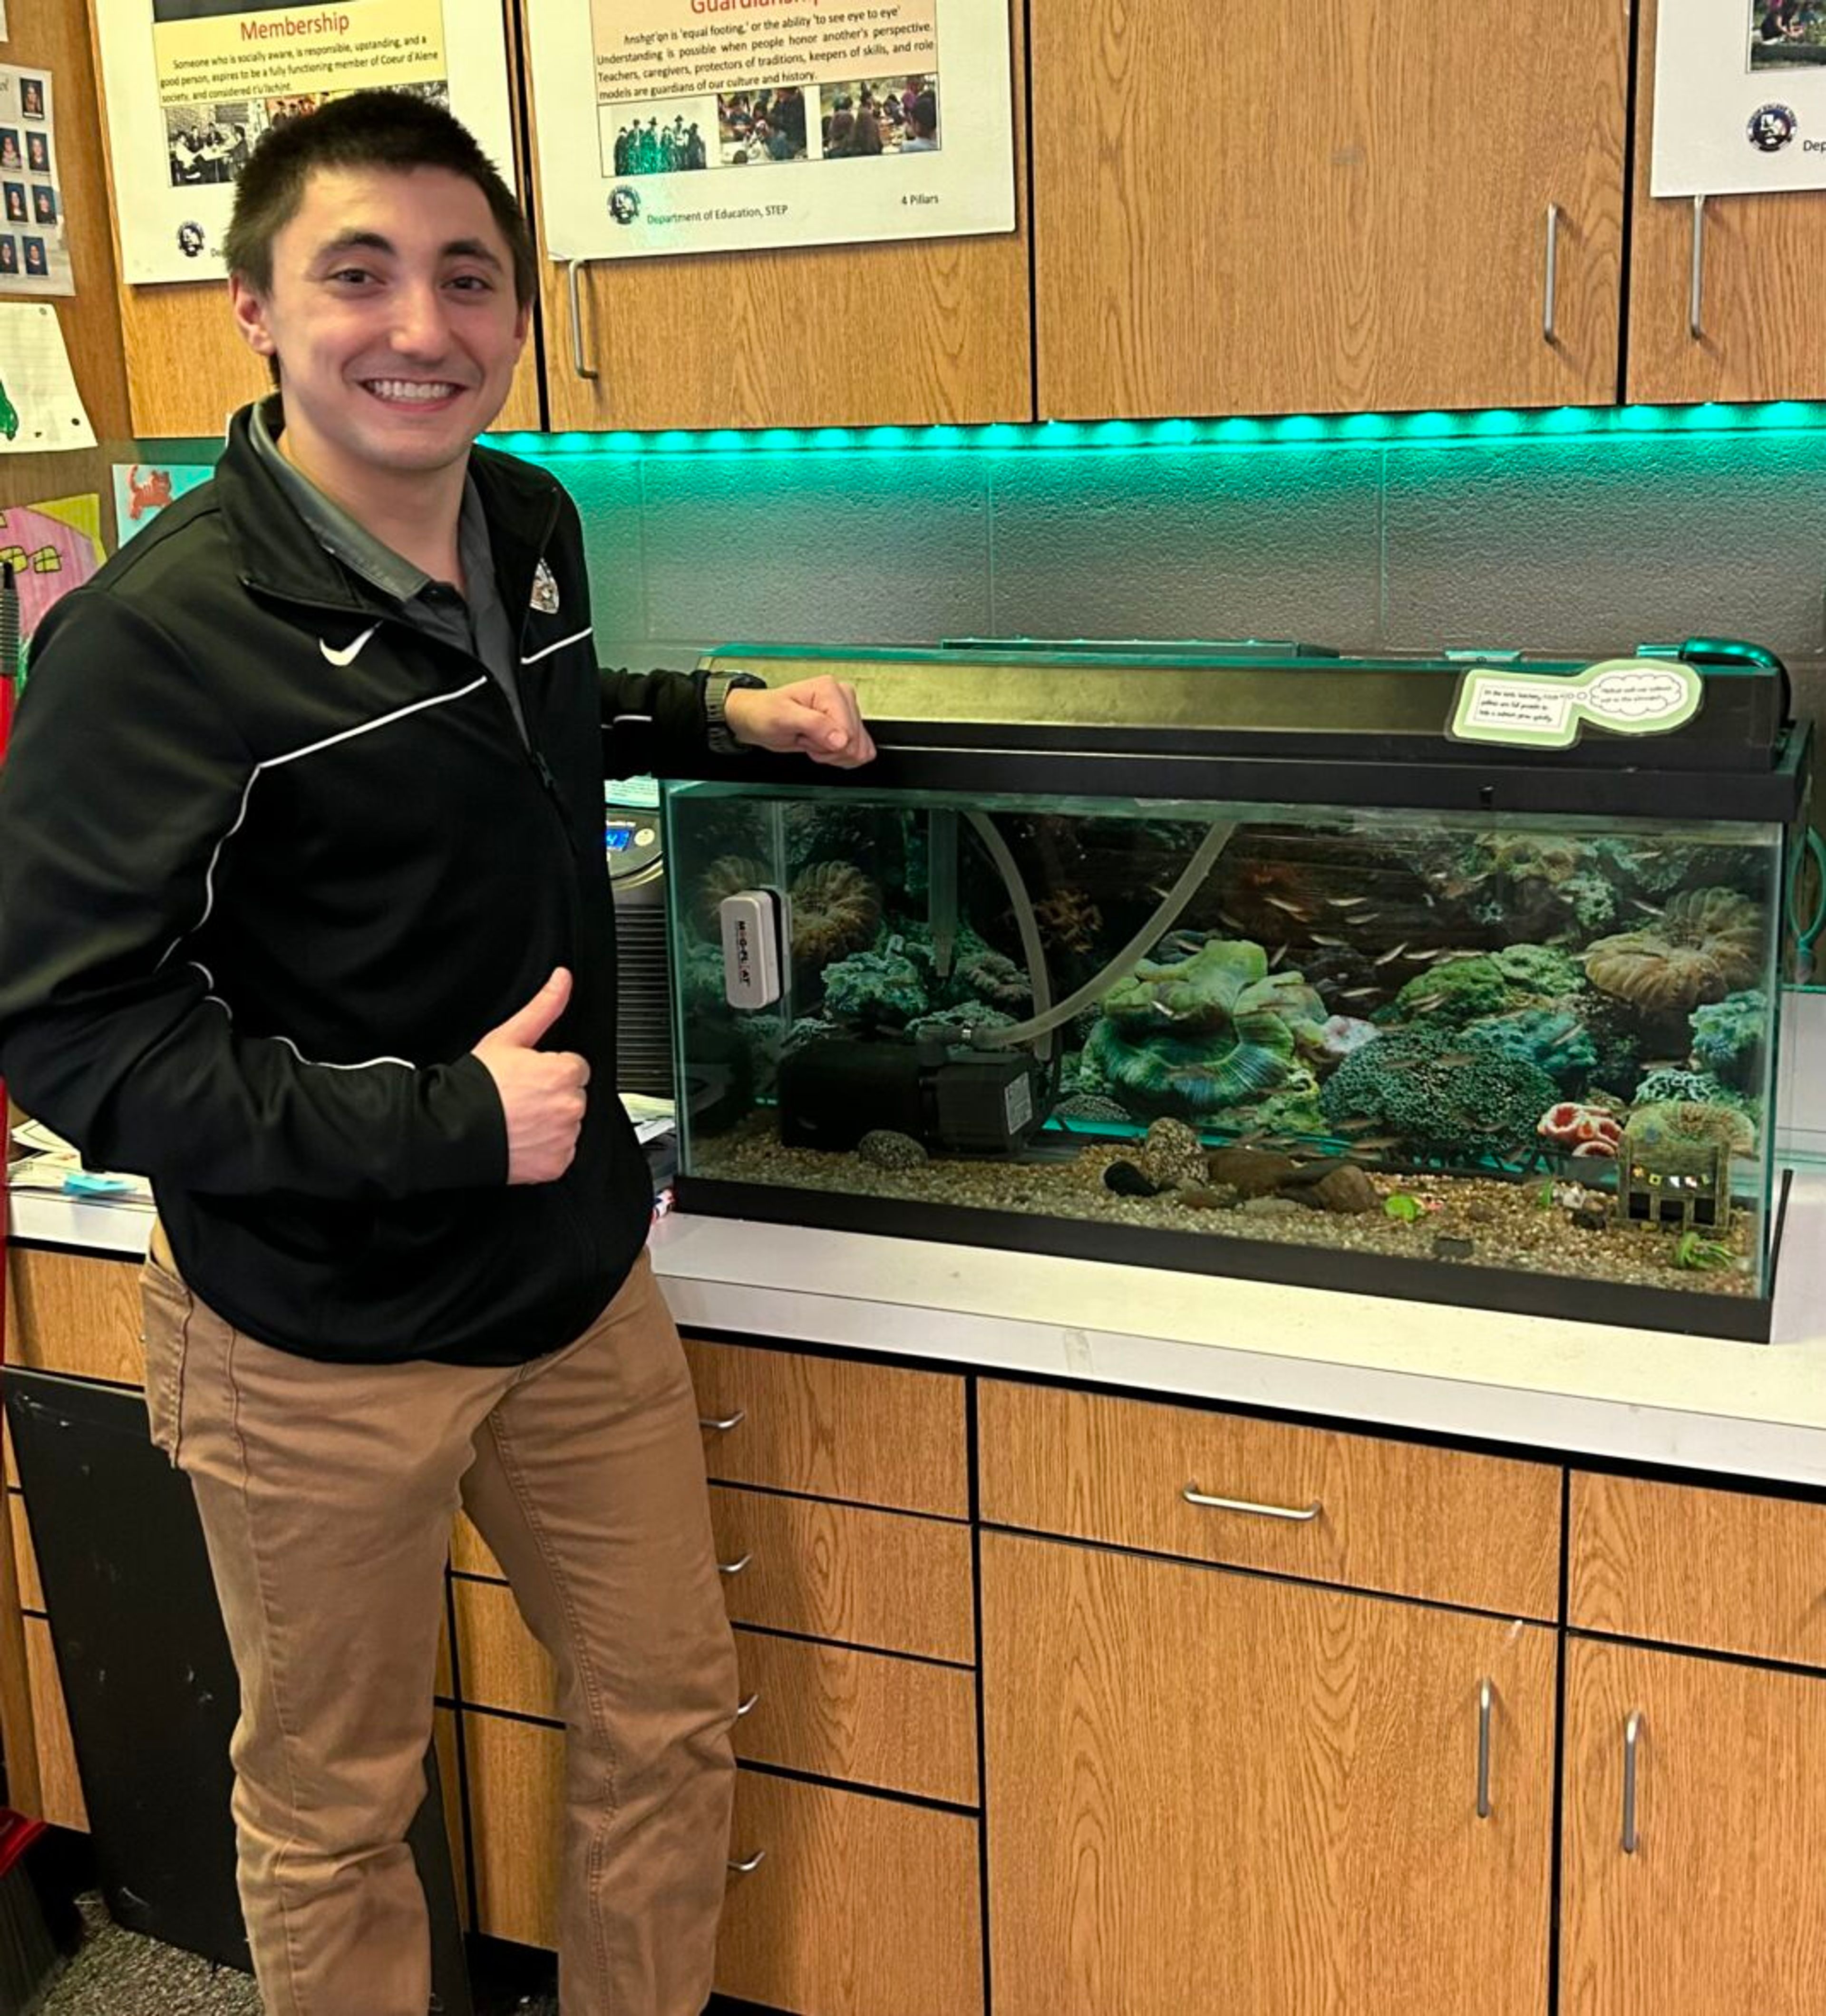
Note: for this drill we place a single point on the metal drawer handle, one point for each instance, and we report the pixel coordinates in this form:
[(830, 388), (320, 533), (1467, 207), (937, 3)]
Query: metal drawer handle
[(734, 1567), (753, 1862), (1632, 1744), (1547, 329), (1486, 1702), (749, 1706), (1696, 280), (1193, 1495), (578, 364), (711, 1423)]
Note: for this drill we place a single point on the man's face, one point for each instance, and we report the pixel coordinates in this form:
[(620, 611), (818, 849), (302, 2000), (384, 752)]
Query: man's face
[(392, 315)]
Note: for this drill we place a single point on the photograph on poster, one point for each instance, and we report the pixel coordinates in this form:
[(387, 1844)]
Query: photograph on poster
[(10, 156), (31, 97), (863, 116), (661, 137), (1787, 34), (8, 253), (43, 205), (762, 125), (207, 143), (212, 10), (35, 261), (37, 154), (16, 211)]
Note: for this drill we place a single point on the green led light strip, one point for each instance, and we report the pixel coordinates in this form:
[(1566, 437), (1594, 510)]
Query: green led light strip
[(1347, 430)]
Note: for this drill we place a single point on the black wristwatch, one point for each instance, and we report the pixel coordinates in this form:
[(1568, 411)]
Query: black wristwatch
[(717, 688)]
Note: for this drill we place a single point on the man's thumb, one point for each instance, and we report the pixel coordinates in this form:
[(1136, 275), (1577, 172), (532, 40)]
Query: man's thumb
[(522, 1029)]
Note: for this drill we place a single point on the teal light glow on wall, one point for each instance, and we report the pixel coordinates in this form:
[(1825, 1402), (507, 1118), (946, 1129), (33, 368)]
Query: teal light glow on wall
[(1786, 416)]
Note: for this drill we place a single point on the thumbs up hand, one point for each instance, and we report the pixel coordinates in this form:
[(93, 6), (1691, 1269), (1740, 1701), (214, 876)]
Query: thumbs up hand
[(541, 1091)]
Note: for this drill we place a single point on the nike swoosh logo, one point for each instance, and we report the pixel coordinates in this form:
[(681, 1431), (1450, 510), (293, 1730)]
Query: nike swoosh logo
[(347, 655)]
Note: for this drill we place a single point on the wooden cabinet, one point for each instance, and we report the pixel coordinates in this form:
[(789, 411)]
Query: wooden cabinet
[(904, 334), (1715, 1908), (1363, 1510), (1330, 207), (1756, 337), (1210, 1790)]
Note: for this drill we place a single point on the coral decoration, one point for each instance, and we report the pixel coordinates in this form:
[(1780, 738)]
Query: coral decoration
[(1586, 1130), (836, 910), (1708, 943)]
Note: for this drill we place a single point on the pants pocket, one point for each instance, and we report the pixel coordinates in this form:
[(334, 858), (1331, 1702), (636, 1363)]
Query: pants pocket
[(166, 1307)]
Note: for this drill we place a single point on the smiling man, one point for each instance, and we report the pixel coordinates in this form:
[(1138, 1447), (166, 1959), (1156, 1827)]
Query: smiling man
[(304, 914)]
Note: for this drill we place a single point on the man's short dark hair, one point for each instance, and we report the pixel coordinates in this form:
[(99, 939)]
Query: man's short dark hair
[(368, 129)]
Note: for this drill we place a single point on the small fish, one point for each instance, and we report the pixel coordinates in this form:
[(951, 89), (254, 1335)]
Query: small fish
[(1355, 1126), (1565, 1036), (1389, 957), (1360, 993), (1376, 1143), (1281, 903), (1279, 954), (1647, 909), (1427, 1003), (1347, 903), (1455, 1060), (1336, 945), (1224, 917)]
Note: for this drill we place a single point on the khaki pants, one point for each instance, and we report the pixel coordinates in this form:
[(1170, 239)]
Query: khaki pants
[(326, 1494)]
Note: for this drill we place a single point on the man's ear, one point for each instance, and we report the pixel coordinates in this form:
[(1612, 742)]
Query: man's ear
[(250, 312)]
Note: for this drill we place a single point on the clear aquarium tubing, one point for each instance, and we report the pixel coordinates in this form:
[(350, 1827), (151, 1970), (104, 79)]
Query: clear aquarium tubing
[(1031, 948), (1163, 919)]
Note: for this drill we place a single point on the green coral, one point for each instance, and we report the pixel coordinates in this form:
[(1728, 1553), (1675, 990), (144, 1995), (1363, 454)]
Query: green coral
[(1670, 1083), (1676, 1125), (1728, 1037), (876, 990), (1425, 1084), (1540, 969), (952, 1025), (1552, 1038), (1692, 1250), (1204, 1034), (1456, 991)]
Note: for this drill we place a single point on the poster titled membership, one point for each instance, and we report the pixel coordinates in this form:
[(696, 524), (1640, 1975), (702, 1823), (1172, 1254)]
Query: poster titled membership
[(1740, 97), (191, 85), (670, 126)]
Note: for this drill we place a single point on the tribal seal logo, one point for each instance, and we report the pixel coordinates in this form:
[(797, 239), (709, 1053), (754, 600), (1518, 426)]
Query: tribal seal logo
[(190, 240), (545, 590), (624, 203), (1771, 127)]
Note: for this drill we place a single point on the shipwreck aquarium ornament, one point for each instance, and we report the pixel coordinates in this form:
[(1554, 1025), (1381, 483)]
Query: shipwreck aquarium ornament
[(1456, 980)]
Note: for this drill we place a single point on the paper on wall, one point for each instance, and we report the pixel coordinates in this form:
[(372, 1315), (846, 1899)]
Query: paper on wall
[(40, 410), (35, 246), (53, 547), (142, 490), (191, 85), (671, 126), (1740, 97)]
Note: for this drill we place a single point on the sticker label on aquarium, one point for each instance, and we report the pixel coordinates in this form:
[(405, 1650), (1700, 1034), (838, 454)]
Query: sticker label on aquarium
[(1018, 1101), (1547, 710)]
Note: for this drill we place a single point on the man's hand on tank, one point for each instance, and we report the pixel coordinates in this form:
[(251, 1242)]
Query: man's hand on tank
[(542, 1092), (815, 718)]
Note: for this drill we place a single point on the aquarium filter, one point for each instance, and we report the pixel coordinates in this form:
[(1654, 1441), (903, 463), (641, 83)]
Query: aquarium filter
[(956, 1102)]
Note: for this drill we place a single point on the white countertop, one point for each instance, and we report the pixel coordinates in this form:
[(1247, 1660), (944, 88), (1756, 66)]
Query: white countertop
[(1748, 1409)]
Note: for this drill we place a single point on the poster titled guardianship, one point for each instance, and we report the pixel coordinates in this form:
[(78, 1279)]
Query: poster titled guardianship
[(676, 126)]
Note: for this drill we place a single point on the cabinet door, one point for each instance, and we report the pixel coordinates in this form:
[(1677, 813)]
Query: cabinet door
[(904, 334), (1757, 337), (1208, 1790), (1718, 1910), (1326, 207)]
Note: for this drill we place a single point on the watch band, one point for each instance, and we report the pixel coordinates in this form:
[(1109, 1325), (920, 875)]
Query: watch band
[(717, 688)]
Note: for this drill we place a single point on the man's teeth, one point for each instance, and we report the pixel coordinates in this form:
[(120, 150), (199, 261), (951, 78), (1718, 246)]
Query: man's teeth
[(408, 389)]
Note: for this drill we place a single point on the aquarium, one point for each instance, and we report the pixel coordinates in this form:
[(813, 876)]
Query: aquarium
[(1458, 980)]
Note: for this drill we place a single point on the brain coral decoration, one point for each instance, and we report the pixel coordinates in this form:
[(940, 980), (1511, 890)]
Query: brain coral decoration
[(1707, 943), (1205, 1033), (1424, 1085), (836, 909)]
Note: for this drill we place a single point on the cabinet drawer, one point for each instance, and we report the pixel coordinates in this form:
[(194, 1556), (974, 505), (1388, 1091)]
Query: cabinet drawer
[(865, 1716), (499, 1663), (25, 1560), (859, 1907), (834, 1427), (1454, 1527), (885, 1580), (67, 1312), (60, 1799), (1726, 1570)]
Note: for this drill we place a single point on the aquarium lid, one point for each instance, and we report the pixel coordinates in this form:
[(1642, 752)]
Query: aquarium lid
[(1700, 728)]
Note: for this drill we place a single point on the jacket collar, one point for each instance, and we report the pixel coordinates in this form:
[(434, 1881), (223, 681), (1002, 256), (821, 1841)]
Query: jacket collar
[(277, 554)]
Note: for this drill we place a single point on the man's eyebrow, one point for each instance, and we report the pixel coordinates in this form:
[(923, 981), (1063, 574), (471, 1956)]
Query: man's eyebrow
[(375, 241)]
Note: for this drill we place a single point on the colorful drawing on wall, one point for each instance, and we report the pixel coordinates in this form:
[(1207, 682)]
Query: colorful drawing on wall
[(53, 547), (143, 489)]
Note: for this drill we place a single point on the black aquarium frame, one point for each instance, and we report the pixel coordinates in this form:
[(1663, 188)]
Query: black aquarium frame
[(1508, 1291)]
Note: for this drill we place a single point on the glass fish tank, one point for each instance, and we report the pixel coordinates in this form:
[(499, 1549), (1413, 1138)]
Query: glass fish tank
[(1454, 979)]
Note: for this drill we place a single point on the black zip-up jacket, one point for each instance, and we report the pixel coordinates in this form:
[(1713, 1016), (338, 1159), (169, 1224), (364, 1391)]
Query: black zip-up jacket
[(272, 860)]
